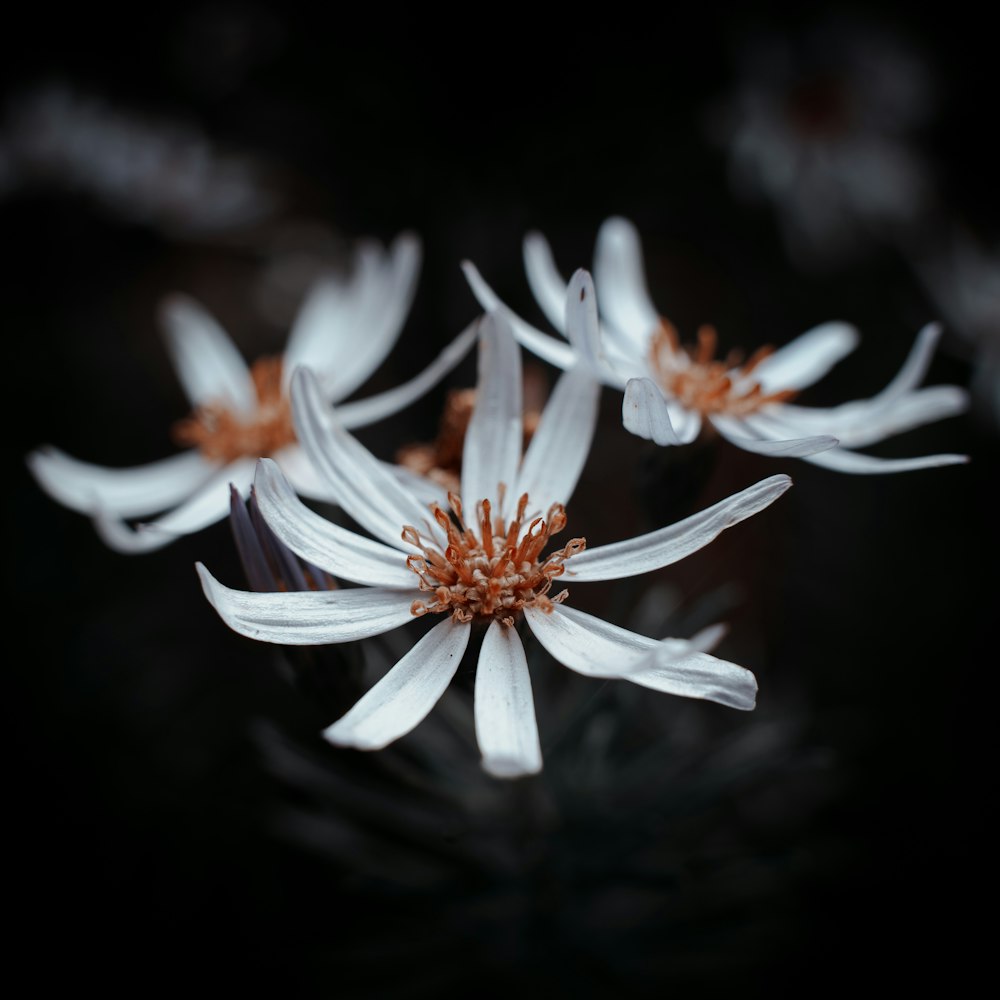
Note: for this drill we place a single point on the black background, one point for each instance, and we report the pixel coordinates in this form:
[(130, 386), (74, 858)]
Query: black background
[(149, 849)]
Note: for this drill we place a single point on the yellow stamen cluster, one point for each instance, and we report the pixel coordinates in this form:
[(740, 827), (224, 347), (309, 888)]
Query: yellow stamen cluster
[(223, 435), (695, 379), (491, 570)]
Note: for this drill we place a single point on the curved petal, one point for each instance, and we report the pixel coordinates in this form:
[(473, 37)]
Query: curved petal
[(340, 552), (672, 543), (561, 443), (581, 320), (807, 358), (371, 495), (597, 648), (843, 460), (547, 284), (646, 414), (208, 364), (206, 506), (302, 474), (321, 324), (137, 492), (404, 696), (915, 366), (506, 730), (549, 349), (621, 283), (740, 433), (312, 617), (362, 412), (492, 450)]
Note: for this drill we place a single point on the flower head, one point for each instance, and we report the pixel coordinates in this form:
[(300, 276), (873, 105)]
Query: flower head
[(672, 391), (489, 560), (343, 331)]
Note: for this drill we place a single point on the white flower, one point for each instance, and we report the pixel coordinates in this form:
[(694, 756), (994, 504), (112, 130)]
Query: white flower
[(670, 392), (343, 331), (483, 563)]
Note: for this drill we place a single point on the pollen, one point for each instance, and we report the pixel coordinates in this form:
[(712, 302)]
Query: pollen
[(222, 434), (698, 381), (489, 569)]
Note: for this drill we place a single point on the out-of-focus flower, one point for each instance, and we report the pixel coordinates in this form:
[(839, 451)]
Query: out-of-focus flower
[(159, 173), (672, 392), (482, 563), (819, 127), (344, 331)]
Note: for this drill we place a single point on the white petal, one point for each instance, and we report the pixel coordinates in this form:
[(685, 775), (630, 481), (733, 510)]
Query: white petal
[(492, 450), (621, 283), (916, 364), (646, 414), (672, 543), (851, 461), (740, 433), (312, 617), (208, 364), (581, 320), (363, 487), (559, 447), (504, 708), (807, 358), (597, 648), (137, 492), (547, 284), (547, 348), (208, 505), (404, 696), (321, 325), (362, 412), (302, 474), (340, 552)]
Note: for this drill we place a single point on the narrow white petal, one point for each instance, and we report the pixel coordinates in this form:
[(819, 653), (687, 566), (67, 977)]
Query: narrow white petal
[(504, 708), (208, 364), (321, 325), (807, 358), (581, 320), (372, 496), (549, 349), (597, 648), (741, 433), (547, 284), (645, 412), (492, 450), (672, 543), (207, 505), (310, 617), (340, 552), (559, 447), (405, 695), (843, 460), (621, 283), (302, 474), (916, 364), (361, 412), (137, 492)]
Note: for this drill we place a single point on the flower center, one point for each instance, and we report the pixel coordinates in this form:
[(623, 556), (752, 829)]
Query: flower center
[(490, 570), (697, 381), (224, 435)]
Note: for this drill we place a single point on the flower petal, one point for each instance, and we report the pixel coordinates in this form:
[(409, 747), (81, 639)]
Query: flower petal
[(852, 461), (581, 320), (672, 543), (405, 695), (370, 494), (647, 414), (309, 618), (547, 284), (549, 349), (340, 552), (137, 492), (208, 364), (209, 504), (492, 450), (362, 412), (621, 283), (731, 428), (807, 358), (597, 648), (559, 446), (504, 708)]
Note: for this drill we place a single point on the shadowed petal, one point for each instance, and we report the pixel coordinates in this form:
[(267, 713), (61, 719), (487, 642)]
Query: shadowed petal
[(404, 696), (547, 284), (504, 707), (740, 433), (647, 414)]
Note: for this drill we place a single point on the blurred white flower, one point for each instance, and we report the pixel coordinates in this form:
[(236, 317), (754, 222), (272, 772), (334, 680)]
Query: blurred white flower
[(484, 562), (344, 330), (819, 127), (671, 392)]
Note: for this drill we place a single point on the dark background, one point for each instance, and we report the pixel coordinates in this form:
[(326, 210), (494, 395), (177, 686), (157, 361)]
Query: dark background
[(166, 830)]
